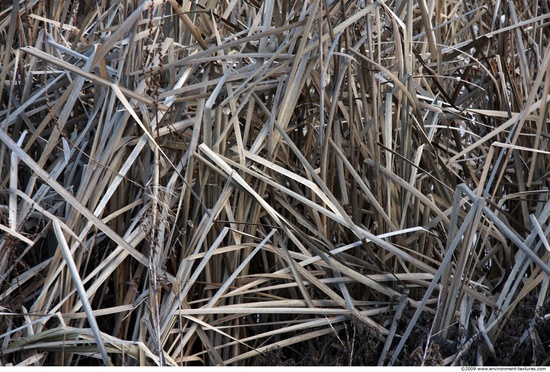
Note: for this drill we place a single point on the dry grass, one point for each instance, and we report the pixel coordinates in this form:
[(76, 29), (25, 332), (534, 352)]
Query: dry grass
[(217, 182)]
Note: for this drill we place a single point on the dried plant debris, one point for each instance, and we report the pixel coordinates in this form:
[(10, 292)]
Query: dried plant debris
[(274, 182)]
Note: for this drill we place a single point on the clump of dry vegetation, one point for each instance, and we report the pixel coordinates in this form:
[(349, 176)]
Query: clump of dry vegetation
[(274, 182)]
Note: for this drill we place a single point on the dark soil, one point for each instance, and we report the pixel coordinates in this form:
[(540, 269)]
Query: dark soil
[(362, 347)]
